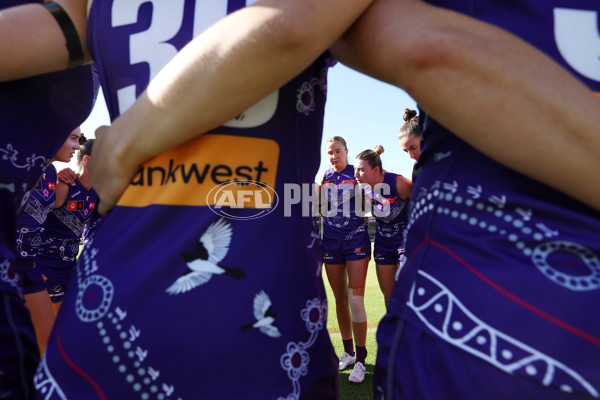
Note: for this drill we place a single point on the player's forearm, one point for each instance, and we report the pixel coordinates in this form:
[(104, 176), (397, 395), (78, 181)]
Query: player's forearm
[(228, 68), (493, 90)]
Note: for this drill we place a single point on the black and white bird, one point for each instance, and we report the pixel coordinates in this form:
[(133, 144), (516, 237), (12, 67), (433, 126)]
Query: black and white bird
[(265, 316), (203, 264)]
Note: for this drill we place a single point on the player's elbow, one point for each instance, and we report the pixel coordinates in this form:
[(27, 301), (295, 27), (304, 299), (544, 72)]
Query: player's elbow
[(430, 53), (291, 32)]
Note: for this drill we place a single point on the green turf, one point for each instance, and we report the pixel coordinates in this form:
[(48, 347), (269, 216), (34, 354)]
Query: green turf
[(375, 307)]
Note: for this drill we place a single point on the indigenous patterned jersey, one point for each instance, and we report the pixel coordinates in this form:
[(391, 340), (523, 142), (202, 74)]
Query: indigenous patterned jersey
[(196, 275), (499, 265), (31, 222), (343, 216), (36, 116), (92, 223), (391, 215), (66, 225)]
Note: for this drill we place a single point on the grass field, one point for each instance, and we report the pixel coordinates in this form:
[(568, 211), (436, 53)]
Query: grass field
[(375, 307)]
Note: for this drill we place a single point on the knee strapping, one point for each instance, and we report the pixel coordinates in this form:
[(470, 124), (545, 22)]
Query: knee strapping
[(357, 307)]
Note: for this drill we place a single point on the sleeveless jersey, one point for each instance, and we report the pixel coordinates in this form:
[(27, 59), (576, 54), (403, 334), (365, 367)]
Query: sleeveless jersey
[(197, 274), (343, 219), (65, 229), (31, 222), (36, 116), (391, 215), (499, 265)]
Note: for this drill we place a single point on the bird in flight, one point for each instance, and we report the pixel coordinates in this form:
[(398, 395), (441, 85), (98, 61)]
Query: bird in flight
[(265, 316), (204, 263)]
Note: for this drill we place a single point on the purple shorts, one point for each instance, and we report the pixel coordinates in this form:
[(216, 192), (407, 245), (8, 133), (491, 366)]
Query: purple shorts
[(56, 290), (32, 277), (387, 250), (57, 273), (338, 251), (413, 364), (385, 257)]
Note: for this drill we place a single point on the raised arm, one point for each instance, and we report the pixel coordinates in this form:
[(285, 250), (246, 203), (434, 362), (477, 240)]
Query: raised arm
[(62, 191), (506, 87)]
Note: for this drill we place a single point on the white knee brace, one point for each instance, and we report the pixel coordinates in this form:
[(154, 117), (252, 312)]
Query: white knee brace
[(357, 307)]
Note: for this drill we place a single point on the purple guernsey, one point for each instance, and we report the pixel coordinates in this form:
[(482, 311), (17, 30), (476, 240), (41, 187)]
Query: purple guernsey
[(502, 278), (194, 277)]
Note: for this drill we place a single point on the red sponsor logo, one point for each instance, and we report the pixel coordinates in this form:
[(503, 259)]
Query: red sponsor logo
[(75, 205), (348, 181), (51, 186)]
